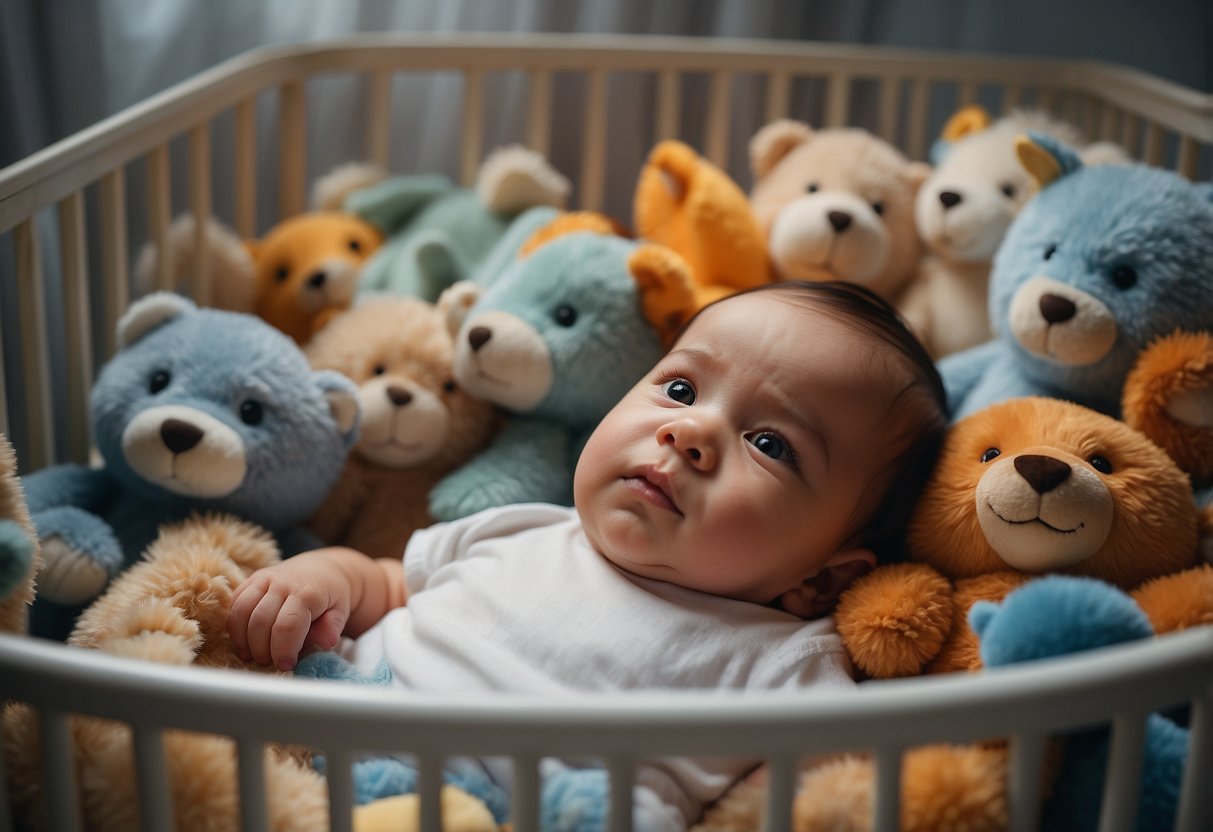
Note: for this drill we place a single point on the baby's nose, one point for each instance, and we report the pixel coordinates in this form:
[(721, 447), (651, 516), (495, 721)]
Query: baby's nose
[(692, 441)]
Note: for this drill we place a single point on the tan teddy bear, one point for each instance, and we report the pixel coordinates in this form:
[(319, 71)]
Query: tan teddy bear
[(417, 423), (836, 204)]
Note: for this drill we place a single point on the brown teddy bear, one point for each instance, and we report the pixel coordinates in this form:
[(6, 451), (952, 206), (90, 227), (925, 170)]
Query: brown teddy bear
[(417, 423), (836, 204), (172, 608), (19, 556), (692, 207)]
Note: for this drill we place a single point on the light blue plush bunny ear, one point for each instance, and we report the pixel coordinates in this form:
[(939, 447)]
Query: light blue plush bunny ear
[(1046, 158)]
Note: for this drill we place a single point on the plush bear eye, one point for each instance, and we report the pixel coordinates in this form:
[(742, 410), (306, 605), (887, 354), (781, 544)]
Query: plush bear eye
[(1125, 277), (378, 370), (448, 386), (1008, 190), (159, 381), (878, 207), (282, 274), (812, 188), (565, 315), (990, 454), (1050, 250), (355, 245), (251, 412), (1101, 464)]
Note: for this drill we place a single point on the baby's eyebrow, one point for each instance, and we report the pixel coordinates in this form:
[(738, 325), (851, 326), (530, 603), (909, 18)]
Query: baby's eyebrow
[(697, 355)]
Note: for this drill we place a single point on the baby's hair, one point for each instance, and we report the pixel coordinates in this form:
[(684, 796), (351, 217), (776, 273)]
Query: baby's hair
[(921, 406)]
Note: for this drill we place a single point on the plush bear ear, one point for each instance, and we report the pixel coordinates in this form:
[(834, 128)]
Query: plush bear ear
[(664, 281), (342, 397), (773, 142), (455, 301), (514, 178), (1045, 158), (149, 312), (965, 121), (980, 616), (916, 173)]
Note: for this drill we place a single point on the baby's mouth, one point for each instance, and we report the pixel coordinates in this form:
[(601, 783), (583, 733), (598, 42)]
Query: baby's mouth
[(654, 488)]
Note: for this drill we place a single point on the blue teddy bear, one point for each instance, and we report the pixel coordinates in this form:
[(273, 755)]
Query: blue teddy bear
[(1059, 615), (556, 340), (200, 410), (1101, 262)]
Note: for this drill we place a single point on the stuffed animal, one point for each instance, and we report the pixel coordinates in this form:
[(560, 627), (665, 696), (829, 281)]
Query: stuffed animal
[(962, 213), (438, 234), (1059, 615), (1101, 262), (200, 409), (836, 204), (556, 340), (686, 203), (171, 608), (297, 276), (417, 425), (19, 558)]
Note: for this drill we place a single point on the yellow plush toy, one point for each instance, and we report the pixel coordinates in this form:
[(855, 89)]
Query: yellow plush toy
[(689, 205), (417, 423)]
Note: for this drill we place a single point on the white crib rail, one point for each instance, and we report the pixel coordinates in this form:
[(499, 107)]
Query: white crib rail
[(1026, 703), (1159, 121)]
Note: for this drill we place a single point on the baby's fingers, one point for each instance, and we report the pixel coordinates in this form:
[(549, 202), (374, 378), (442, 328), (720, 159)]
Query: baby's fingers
[(290, 628), (261, 624), (244, 600)]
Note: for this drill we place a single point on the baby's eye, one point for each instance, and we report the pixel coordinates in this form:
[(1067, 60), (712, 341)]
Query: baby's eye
[(680, 390), (772, 445)]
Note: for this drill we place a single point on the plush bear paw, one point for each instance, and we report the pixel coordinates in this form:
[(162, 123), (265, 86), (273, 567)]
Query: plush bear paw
[(79, 555)]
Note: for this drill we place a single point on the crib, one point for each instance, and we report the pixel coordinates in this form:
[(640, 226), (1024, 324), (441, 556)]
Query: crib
[(70, 221)]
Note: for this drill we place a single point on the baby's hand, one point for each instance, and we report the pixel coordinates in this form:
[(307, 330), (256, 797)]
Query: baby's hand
[(277, 610)]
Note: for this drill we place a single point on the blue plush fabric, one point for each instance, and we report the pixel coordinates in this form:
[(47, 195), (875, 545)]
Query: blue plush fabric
[(573, 308), (1128, 245), (16, 550), (264, 441), (1059, 615)]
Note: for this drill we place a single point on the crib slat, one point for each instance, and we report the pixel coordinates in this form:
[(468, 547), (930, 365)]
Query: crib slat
[(59, 773), (1093, 118), (292, 149), (1027, 752), (1011, 96), (341, 790), (112, 213), (251, 756), (472, 127), (717, 143), (3, 402), (593, 160), (1185, 161), (966, 94), (838, 100), (1129, 132), (1108, 123), (244, 168), (1122, 782), (669, 94), (159, 197), (1195, 797), (781, 791), (779, 84), (623, 775), (379, 112), (6, 806), (199, 154), (429, 788), (889, 88), (74, 253), (539, 111), (1151, 147), (524, 796), (31, 300), (916, 134), (155, 797), (887, 799)]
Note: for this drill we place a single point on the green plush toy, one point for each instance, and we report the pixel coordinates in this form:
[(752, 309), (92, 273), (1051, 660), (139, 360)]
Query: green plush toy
[(437, 233)]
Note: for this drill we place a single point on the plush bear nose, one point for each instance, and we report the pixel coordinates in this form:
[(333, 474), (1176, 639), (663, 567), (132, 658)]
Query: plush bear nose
[(179, 436), (399, 396), (317, 280), (949, 198), (1043, 473), (1057, 309), (478, 336), (841, 220)]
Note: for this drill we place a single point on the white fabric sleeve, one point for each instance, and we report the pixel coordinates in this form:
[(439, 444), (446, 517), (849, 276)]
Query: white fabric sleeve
[(439, 544)]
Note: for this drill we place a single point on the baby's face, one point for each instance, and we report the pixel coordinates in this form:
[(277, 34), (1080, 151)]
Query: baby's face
[(737, 465)]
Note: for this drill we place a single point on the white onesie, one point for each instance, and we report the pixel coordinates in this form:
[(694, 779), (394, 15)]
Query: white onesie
[(515, 600)]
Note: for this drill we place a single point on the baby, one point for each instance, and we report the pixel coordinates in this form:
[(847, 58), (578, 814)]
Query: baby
[(722, 507)]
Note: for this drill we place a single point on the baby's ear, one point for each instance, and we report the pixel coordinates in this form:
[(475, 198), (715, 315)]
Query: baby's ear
[(819, 594)]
